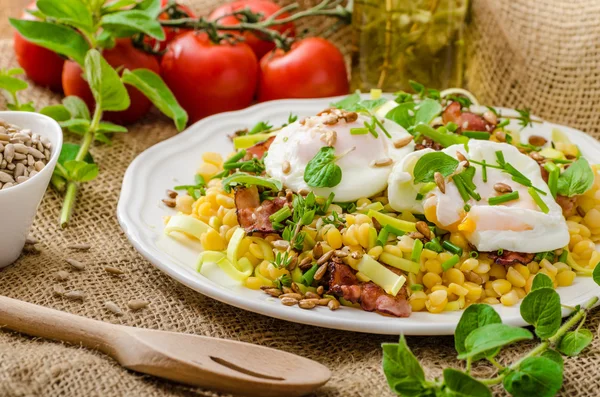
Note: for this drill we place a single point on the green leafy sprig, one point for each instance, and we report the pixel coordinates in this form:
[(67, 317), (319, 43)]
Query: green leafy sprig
[(480, 335), (11, 86)]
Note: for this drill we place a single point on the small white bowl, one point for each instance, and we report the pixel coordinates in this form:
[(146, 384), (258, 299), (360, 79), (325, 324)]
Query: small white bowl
[(18, 204)]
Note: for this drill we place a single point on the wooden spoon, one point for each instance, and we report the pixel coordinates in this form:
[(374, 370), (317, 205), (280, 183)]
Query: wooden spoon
[(226, 365)]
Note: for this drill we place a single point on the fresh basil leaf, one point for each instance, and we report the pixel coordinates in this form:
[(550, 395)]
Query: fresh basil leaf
[(492, 336), (403, 115), (474, 317), (105, 126), (77, 107), (577, 179), (554, 356), (347, 102), (417, 87), (133, 21), (153, 87), (402, 369), (68, 12), (78, 126), (535, 376), (57, 112), (431, 163), (58, 38), (596, 273), (117, 5), (69, 152), (426, 111), (541, 281), (80, 171), (366, 105), (12, 84), (575, 341), (150, 7), (321, 170), (541, 308), (460, 384), (107, 88)]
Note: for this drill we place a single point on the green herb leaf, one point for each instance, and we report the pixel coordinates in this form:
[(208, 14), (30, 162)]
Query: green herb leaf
[(321, 170), (68, 12), (107, 88), (524, 117), (78, 126), (541, 281), (427, 111), (431, 163), (474, 317), (403, 115), (150, 7), (76, 107), (596, 273), (575, 341), (492, 336), (554, 356), (117, 5), (153, 87), (347, 102), (440, 135), (461, 384), (58, 38), (124, 23), (69, 152), (80, 171), (261, 126), (402, 369), (541, 308), (57, 112), (367, 105), (105, 126), (241, 178), (577, 179), (417, 87), (535, 376), (12, 84)]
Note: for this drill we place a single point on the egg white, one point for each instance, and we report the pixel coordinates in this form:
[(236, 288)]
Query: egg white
[(298, 143)]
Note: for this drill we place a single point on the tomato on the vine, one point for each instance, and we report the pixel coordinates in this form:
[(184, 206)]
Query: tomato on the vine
[(42, 66), (209, 78), (123, 55), (181, 11), (313, 68), (264, 7)]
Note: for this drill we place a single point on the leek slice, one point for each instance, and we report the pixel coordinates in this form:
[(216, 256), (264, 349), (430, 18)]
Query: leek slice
[(399, 263), (209, 257), (376, 206), (265, 248), (186, 224), (246, 141), (381, 275), (399, 224)]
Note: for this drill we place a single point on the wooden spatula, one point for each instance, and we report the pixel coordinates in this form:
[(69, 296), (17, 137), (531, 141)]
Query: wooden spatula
[(226, 365)]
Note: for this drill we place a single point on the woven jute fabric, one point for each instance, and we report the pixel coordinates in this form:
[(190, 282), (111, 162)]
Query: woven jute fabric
[(542, 54)]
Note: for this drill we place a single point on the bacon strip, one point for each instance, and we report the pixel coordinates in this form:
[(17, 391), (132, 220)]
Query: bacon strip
[(259, 149), (510, 258), (253, 215), (466, 121), (371, 297)]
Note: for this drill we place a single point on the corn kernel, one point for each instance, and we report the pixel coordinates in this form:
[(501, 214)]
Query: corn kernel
[(433, 266), (438, 298), (520, 292), (214, 222), (212, 241), (454, 276), (253, 283), (376, 251), (417, 304), (501, 286), (431, 279), (457, 289), (510, 298), (515, 278), (183, 203), (213, 158), (334, 238), (490, 301), (565, 278), (363, 234), (523, 270), (225, 201), (428, 254), (475, 290), (497, 271), (362, 218), (533, 267), (482, 268), (256, 251), (444, 256), (469, 265), (207, 170), (230, 218)]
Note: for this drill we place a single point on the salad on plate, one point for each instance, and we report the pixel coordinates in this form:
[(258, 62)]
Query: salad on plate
[(425, 202)]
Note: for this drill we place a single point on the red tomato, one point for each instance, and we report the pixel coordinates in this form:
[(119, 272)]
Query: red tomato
[(42, 66), (182, 11), (123, 54), (313, 68), (209, 78), (265, 7)]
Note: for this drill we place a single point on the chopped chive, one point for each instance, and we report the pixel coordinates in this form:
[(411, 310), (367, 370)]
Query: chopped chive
[(395, 231), (233, 166), (434, 245), (238, 156), (474, 254), (553, 180), (376, 121), (359, 131), (416, 287), (504, 198), (563, 256), (538, 200), (450, 262), (467, 208), (221, 174), (382, 237), (455, 249), (500, 252), (461, 189), (481, 135), (328, 202), (503, 123), (199, 179), (419, 197), (371, 130), (451, 126), (309, 276), (500, 158), (486, 164), (561, 161), (416, 251), (484, 170), (281, 215)]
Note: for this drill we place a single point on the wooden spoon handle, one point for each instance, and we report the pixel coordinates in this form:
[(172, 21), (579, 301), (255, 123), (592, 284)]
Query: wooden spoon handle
[(48, 323)]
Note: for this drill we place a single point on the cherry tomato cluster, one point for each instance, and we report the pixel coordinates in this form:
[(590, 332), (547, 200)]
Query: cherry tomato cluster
[(206, 77)]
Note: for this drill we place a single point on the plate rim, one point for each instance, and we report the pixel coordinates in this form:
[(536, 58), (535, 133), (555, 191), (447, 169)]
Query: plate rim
[(378, 325)]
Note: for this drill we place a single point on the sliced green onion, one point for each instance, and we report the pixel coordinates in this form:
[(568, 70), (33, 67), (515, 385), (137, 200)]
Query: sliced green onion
[(481, 135), (238, 156), (553, 174), (359, 131), (451, 126), (504, 198), (500, 252), (538, 200), (382, 237), (371, 130), (281, 215), (393, 230), (455, 249), (247, 179), (474, 254), (434, 245), (380, 125), (500, 158), (416, 287), (450, 262), (309, 276), (419, 197), (460, 185), (563, 256), (235, 165), (484, 170), (426, 188), (467, 208), (503, 123), (562, 161), (416, 251), (328, 202)]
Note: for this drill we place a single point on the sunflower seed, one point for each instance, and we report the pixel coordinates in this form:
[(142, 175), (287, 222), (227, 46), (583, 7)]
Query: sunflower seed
[(75, 295), (440, 182), (273, 292), (61, 275), (308, 303), (333, 304), (306, 263), (5, 178), (113, 308), (356, 255), (320, 290), (323, 301), (80, 247), (317, 250), (137, 304), (320, 272), (283, 244), (325, 257), (423, 229), (500, 135), (400, 143), (311, 295), (461, 157), (536, 140), (169, 202), (382, 162), (113, 270), (293, 295), (286, 167), (171, 193), (536, 156), (58, 290), (502, 188), (289, 301), (490, 117), (76, 264), (296, 289)]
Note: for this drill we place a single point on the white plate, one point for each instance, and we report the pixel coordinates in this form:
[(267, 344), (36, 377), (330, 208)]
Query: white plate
[(174, 161)]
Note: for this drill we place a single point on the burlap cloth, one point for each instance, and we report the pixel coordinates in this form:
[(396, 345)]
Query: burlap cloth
[(544, 54)]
